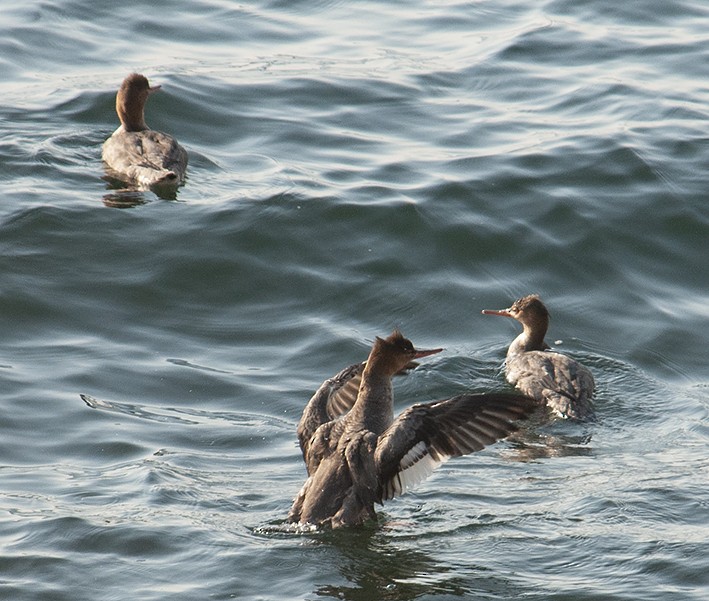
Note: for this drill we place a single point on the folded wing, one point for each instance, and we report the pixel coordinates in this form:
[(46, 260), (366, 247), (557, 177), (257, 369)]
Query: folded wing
[(563, 383)]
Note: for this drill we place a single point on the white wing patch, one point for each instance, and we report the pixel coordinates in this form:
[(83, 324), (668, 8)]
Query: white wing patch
[(414, 467)]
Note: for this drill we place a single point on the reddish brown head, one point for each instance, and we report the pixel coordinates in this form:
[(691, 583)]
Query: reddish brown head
[(395, 352), (131, 99)]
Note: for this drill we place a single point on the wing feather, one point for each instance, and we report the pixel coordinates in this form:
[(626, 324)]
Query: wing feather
[(332, 399), (562, 382), (343, 393), (426, 435)]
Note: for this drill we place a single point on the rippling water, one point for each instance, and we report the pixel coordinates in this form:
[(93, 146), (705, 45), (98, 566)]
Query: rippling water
[(354, 167)]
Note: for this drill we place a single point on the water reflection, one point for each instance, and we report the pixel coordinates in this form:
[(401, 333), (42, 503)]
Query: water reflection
[(123, 196), (124, 199), (544, 438), (376, 569)]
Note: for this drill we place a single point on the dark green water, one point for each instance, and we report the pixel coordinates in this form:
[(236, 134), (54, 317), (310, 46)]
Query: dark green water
[(354, 167)]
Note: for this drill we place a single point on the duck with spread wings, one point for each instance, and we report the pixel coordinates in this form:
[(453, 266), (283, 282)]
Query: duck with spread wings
[(357, 454)]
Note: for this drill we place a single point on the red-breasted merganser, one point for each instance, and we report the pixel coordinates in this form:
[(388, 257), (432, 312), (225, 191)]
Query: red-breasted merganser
[(134, 152), (560, 382), (357, 455)]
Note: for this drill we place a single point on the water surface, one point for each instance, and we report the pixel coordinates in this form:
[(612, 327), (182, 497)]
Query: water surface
[(354, 167)]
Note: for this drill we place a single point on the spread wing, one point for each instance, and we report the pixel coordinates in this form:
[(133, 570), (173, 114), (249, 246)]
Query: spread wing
[(334, 398), (426, 435), (562, 383)]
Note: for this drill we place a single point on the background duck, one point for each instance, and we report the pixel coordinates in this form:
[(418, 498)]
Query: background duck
[(560, 382), (135, 153)]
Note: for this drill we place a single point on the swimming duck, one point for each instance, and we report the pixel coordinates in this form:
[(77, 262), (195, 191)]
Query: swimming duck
[(560, 382), (134, 152), (357, 454)]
